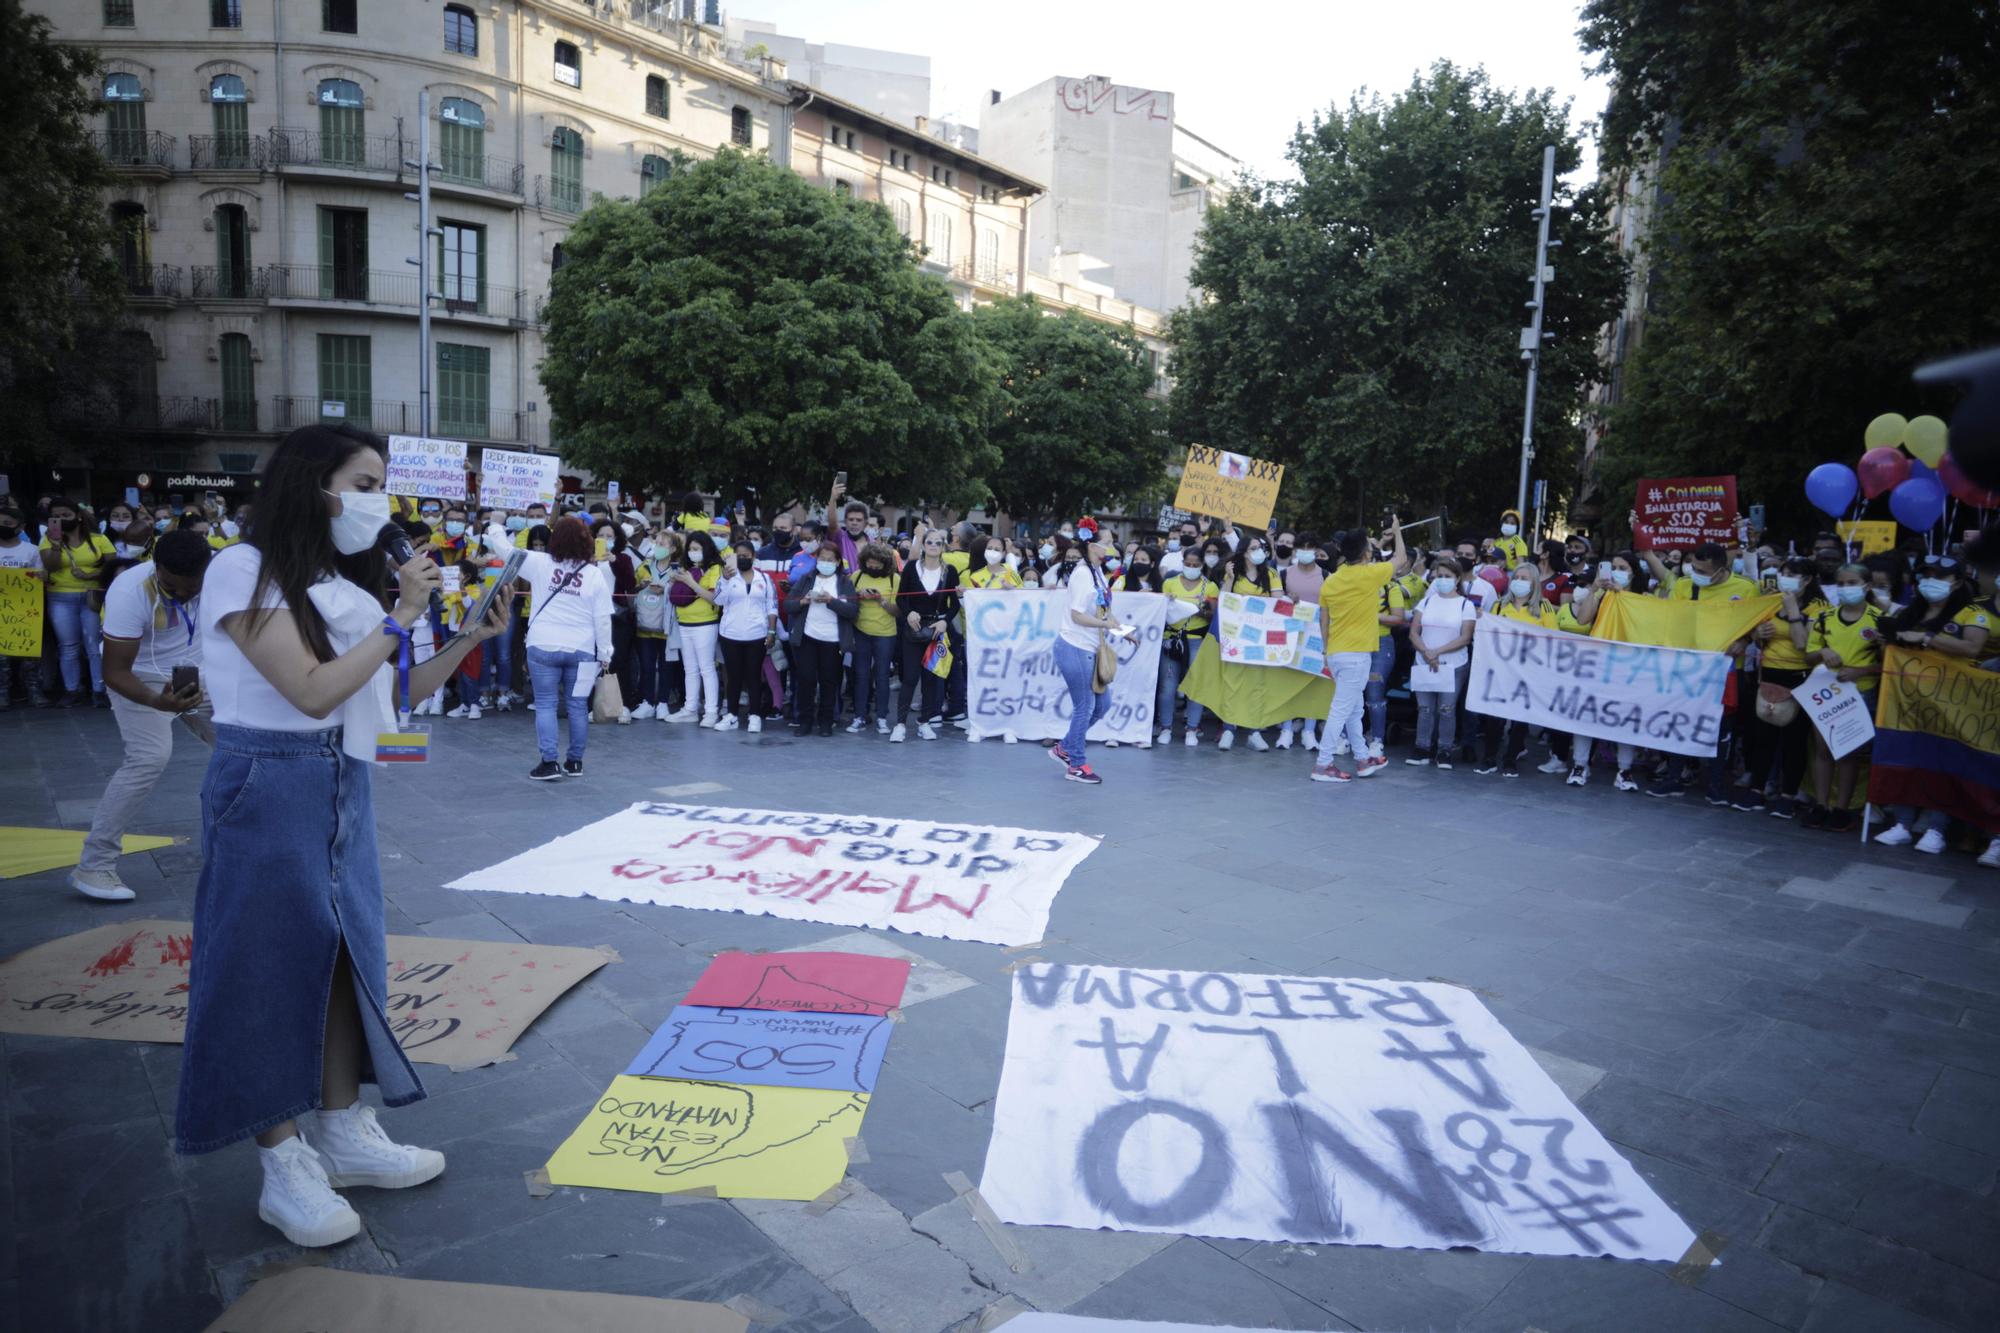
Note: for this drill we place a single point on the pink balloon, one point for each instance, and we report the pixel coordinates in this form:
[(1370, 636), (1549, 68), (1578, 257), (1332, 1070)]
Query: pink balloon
[(1964, 488), (1882, 471)]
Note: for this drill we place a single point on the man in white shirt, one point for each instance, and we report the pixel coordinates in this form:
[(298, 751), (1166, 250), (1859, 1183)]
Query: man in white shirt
[(150, 614)]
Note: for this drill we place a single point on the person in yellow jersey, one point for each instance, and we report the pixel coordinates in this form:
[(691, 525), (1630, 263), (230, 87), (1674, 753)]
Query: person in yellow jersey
[(1510, 542), (1527, 604), (1350, 602), (1249, 574), (1778, 733), (874, 637), (1190, 602), (1945, 617), (986, 565), (692, 591), (77, 560), (1847, 639)]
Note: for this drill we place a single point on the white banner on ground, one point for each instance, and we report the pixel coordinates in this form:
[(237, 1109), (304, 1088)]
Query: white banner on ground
[(1012, 683), (1658, 698), (426, 468), (1299, 1109), (509, 479), (1838, 710), (955, 881)]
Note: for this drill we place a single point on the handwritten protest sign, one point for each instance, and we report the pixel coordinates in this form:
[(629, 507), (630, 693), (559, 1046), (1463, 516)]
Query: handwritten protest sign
[(1663, 698), (1937, 737), (20, 614), (773, 1050), (425, 467), (1868, 536), (672, 1136), (509, 479), (332, 1300), (1682, 512), (1839, 711), (956, 881), (1012, 681), (449, 1002), (1237, 487), (825, 983), (1299, 1109)]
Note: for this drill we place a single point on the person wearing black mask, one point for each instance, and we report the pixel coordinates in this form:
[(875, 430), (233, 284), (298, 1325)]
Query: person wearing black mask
[(1143, 574), (774, 557)]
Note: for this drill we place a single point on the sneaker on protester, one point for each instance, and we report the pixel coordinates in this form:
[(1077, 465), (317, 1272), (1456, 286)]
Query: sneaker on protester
[(881, 726), (1340, 746), (472, 713), (1375, 750), (298, 1200), (1579, 776), (1327, 772), (1990, 858), (546, 771), (624, 717), (1370, 766), (1083, 773), (357, 1151), (645, 712), (756, 724), (1443, 760), (855, 728), (1284, 741), (1259, 744), (708, 720), (926, 732), (1553, 765), (1932, 843), (1228, 738), (461, 711), (103, 885), (727, 722), (1624, 781), (896, 735), (1166, 736), (1894, 836), (1192, 738)]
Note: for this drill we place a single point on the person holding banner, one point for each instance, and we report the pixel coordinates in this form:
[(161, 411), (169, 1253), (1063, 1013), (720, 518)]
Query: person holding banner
[(1348, 603), (1525, 603), (926, 601), (1847, 640), (1945, 618), (1778, 735), (1190, 602), (1249, 575), (1441, 629), (1079, 637)]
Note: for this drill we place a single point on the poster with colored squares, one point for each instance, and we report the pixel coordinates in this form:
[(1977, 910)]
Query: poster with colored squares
[(752, 1086), (1271, 631)]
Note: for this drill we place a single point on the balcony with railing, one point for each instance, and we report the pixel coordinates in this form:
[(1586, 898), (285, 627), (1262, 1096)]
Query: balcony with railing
[(383, 417), (478, 172), (451, 298), (230, 282), (151, 282), (228, 152), (557, 195), (987, 273), (146, 151), (375, 154), (176, 415)]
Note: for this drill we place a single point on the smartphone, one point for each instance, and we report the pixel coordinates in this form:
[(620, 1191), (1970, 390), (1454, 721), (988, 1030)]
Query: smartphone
[(840, 479), (500, 587), (183, 678)]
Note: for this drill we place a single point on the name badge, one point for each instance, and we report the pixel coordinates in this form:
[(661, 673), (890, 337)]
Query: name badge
[(411, 745)]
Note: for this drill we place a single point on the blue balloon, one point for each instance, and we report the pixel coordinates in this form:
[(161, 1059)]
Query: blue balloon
[(1922, 471), (1918, 504), (1831, 488)]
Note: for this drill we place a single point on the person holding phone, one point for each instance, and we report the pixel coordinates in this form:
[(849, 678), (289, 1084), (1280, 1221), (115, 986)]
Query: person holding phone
[(287, 998), (77, 558), (151, 661)]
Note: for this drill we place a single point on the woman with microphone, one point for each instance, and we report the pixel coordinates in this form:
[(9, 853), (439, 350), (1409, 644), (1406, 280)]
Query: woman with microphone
[(287, 985)]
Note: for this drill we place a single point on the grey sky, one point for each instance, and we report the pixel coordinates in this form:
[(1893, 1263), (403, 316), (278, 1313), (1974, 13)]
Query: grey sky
[(1244, 72)]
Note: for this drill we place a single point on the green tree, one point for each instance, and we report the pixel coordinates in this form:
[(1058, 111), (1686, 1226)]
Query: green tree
[(1827, 204), (738, 327), (1362, 323), (61, 284), (1071, 421)]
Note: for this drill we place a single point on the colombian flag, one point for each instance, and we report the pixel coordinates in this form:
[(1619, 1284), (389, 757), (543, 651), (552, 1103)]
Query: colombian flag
[(1937, 737), (1709, 626)]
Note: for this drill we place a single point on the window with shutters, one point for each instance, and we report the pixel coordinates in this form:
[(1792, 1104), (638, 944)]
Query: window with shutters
[(566, 170), (118, 13), (232, 252), (132, 244), (225, 13), (342, 123), (229, 105), (462, 141), (940, 238), (989, 255), (461, 31), (652, 170), (739, 125), (343, 254), (902, 212), (346, 378), (461, 266), (338, 16), (658, 100), (124, 119), (464, 380), (569, 64), (239, 383)]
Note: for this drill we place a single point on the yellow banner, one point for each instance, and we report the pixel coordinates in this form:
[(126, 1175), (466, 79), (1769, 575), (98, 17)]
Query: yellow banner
[(20, 614), (1631, 617), (1219, 484), (1946, 697), (672, 1136), (1875, 535)]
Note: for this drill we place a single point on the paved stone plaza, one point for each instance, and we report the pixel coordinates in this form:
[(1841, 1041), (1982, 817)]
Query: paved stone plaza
[(1795, 1040)]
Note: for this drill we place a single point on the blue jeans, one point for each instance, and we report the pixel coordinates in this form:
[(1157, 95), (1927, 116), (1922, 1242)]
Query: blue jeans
[(80, 635), (1375, 700), (1171, 675), (872, 656), (496, 665), (553, 672), (1079, 667)]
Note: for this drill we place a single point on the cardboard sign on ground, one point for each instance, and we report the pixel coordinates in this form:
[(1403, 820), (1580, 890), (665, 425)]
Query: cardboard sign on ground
[(328, 1300), (450, 1002)]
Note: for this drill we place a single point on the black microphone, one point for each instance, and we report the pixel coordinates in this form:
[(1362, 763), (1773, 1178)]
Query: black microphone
[(393, 541)]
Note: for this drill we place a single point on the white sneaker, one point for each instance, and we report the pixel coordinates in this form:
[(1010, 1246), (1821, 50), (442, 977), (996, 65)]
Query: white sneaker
[(533, 707), (709, 720), (1309, 737), (925, 731), (896, 736), (103, 885), (1375, 751), (1284, 740), (624, 717), (297, 1199), (356, 1151), (662, 715), (1932, 843), (685, 715), (472, 713), (1340, 745), (1894, 836), (727, 722), (1166, 736), (508, 700), (1228, 739), (881, 726), (1259, 744), (1579, 776), (1111, 745), (645, 712), (1624, 782), (1191, 739), (855, 728), (460, 711), (1552, 765), (756, 723), (1990, 858)]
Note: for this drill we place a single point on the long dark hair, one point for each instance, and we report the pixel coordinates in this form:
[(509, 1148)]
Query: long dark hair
[(293, 537), (1133, 581), (1920, 613)]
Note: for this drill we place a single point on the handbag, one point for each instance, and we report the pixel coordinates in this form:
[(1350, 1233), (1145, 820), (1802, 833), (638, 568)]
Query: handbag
[(1106, 669), (1775, 705), (650, 609), (607, 701)]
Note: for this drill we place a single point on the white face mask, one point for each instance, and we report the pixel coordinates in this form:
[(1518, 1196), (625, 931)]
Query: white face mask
[(129, 552), (1444, 585), (1256, 556), (362, 516), (1210, 560), (1509, 529), (1622, 577), (871, 533), (1068, 534), (994, 555), (1013, 561), (626, 528), (1173, 543), (1789, 582), (825, 567), (1520, 588), (1048, 553), (1308, 557)]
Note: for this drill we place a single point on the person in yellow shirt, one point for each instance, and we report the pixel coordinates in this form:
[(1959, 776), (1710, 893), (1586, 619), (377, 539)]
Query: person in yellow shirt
[(1510, 542), (1846, 639), (78, 559), (692, 591), (1190, 602), (986, 565), (1350, 602), (1526, 604), (874, 637), (1248, 574)]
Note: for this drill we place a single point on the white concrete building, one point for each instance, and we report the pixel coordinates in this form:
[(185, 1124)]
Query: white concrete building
[(894, 85), (1126, 184)]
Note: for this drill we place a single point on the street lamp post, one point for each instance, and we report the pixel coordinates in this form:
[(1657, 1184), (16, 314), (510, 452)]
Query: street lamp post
[(1531, 337)]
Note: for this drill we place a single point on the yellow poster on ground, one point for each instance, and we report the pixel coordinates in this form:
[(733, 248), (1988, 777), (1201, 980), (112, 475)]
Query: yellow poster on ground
[(20, 614), (1874, 535), (674, 1136), (1712, 626), (29, 851), (1249, 696), (1219, 484)]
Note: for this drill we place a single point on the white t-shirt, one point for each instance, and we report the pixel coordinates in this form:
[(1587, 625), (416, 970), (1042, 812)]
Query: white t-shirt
[(821, 622), (1088, 595), (572, 606), (167, 631), (1444, 616), (240, 694), (21, 555)]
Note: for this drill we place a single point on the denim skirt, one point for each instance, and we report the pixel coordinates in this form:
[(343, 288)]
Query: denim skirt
[(289, 877)]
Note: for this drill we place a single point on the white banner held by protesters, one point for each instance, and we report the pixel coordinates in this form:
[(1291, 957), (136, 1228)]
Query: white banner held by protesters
[(433, 469), (1299, 1109), (510, 479), (1012, 681), (955, 881), (1659, 698)]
